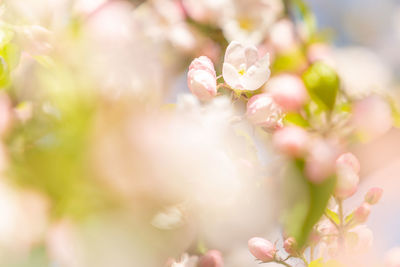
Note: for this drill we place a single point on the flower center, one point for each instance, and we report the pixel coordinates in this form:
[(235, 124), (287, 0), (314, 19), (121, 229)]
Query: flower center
[(246, 24), (242, 69)]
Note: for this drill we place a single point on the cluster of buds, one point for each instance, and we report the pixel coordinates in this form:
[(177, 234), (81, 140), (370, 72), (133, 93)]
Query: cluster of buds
[(202, 79), (245, 72), (319, 154), (337, 232), (265, 251)]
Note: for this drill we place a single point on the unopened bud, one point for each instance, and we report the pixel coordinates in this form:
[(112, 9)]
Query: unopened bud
[(348, 160), (290, 246), (373, 195), (362, 212), (262, 249), (212, 258)]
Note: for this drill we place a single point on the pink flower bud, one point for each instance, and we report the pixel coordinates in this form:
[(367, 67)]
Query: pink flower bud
[(320, 162), (348, 160), (202, 79), (362, 212), (212, 258), (262, 249), (392, 258), (373, 195), (290, 246), (347, 182), (263, 111), (288, 91), (203, 63), (291, 140)]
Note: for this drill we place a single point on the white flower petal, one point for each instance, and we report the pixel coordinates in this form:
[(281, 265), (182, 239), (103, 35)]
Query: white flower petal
[(251, 54), (234, 55), (257, 74), (231, 76)]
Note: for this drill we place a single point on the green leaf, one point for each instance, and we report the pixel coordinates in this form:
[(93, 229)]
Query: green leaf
[(333, 216), (6, 35), (295, 119), (308, 18), (290, 61), (349, 217), (11, 53), (322, 83), (309, 202)]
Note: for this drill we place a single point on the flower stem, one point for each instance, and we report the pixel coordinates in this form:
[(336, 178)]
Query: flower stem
[(283, 263), (341, 221)]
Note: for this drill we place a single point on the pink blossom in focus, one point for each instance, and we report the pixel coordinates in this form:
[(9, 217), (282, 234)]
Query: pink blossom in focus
[(263, 111), (288, 91), (262, 249), (202, 80), (291, 140), (243, 69)]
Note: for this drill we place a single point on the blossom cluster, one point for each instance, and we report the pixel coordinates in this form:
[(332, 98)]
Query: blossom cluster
[(188, 133)]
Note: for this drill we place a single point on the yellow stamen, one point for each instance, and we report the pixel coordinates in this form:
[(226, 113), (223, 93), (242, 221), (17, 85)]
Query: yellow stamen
[(246, 24)]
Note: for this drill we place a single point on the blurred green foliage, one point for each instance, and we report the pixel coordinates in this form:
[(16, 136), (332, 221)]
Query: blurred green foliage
[(322, 83), (307, 202)]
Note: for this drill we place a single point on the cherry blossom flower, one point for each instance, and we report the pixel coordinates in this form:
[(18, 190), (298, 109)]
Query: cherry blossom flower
[(249, 20), (243, 69)]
